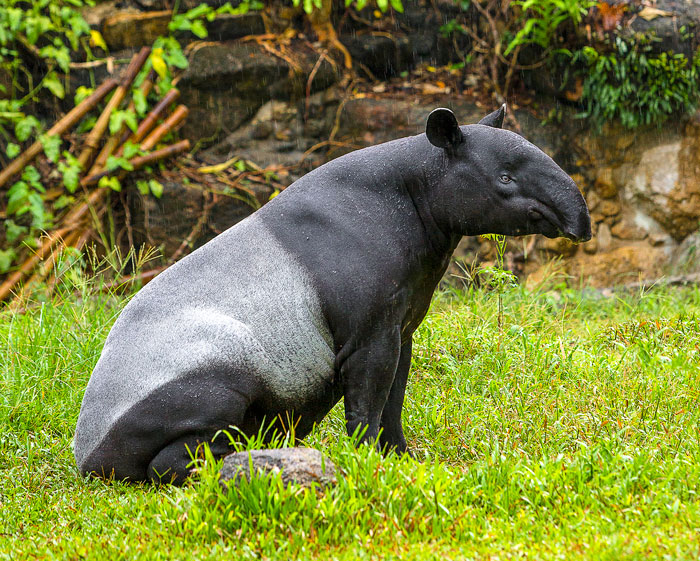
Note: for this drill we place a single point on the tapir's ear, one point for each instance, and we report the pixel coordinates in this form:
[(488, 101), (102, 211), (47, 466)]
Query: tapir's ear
[(442, 129), (494, 119)]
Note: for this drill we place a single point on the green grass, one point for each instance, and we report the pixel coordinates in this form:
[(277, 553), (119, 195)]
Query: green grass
[(570, 434)]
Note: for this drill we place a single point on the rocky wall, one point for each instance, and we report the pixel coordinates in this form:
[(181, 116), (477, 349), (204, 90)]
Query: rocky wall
[(289, 108)]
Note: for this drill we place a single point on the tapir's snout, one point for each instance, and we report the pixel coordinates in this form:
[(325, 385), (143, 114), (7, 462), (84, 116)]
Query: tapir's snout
[(578, 220), (566, 211)]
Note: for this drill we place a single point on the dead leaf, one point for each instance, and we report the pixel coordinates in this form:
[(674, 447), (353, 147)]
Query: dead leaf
[(576, 93), (611, 15), (649, 13), (218, 167), (431, 89)]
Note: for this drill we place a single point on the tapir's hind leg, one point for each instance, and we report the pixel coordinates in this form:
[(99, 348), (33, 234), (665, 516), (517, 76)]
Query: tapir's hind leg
[(200, 405), (148, 440)]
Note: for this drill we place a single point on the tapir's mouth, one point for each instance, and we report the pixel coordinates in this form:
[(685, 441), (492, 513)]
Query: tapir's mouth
[(582, 231), (556, 230), (576, 238)]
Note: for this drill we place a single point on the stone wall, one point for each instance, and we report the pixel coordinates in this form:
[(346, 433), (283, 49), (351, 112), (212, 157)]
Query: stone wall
[(290, 108)]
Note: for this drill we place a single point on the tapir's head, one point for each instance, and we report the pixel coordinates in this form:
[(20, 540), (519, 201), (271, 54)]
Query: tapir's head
[(494, 181)]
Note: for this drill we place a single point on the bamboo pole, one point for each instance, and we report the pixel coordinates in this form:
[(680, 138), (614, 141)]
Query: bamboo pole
[(139, 162), (61, 126), (175, 118), (149, 121), (113, 141), (93, 139), (70, 222), (7, 286)]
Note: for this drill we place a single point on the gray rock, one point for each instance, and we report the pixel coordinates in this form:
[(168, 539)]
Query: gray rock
[(664, 185), (377, 53), (127, 28), (226, 83), (302, 466), (686, 257)]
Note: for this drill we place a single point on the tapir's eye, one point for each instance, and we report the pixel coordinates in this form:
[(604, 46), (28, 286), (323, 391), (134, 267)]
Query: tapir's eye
[(506, 178)]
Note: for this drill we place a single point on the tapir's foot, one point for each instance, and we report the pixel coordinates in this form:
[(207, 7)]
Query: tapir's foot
[(387, 440), (393, 441), (174, 463), (399, 450)]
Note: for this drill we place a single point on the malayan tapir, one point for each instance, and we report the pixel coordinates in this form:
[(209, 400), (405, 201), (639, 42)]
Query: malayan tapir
[(312, 298)]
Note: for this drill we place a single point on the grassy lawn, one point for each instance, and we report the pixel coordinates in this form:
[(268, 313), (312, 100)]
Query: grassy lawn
[(569, 433)]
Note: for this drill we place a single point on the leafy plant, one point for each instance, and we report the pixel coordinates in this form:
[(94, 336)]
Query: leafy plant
[(632, 83), (310, 6), (540, 20), (53, 31), (50, 30), (193, 20), (383, 5)]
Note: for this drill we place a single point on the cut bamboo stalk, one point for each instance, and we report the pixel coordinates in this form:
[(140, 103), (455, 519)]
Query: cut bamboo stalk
[(61, 126), (113, 141), (149, 121), (78, 212), (174, 119), (11, 281), (139, 162), (93, 139), (70, 223), (47, 264)]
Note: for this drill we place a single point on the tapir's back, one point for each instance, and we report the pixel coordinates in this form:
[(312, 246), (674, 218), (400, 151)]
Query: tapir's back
[(241, 303)]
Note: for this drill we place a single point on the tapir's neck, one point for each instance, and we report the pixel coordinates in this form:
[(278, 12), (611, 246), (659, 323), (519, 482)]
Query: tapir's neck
[(420, 169)]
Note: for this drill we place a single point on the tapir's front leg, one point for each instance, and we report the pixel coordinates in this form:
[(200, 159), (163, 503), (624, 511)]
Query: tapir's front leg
[(391, 437), (367, 375)]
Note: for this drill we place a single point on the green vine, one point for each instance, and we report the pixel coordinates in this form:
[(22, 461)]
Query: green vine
[(310, 6), (49, 30)]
